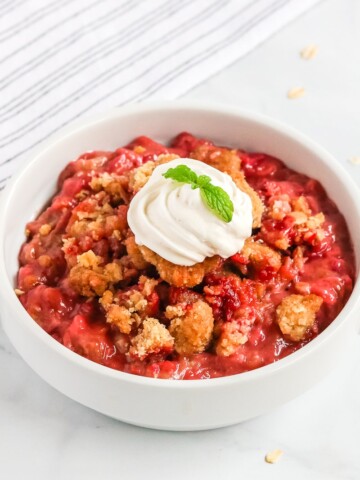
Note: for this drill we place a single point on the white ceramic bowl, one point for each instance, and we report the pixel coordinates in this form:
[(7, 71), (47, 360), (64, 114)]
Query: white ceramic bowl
[(168, 404)]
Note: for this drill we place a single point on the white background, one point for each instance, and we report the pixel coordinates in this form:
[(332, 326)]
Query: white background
[(44, 435)]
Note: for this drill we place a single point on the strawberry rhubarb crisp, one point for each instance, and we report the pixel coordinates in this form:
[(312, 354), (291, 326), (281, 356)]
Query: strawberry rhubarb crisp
[(185, 261)]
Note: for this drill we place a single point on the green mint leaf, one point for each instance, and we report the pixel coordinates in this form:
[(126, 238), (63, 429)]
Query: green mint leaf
[(182, 174), (214, 197), (218, 201), (203, 180)]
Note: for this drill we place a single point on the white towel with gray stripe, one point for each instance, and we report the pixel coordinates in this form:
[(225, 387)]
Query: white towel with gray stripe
[(63, 59)]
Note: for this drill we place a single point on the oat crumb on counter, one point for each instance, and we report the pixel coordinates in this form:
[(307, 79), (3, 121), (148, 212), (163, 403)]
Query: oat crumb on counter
[(355, 160), (309, 52), (296, 92), (274, 456)]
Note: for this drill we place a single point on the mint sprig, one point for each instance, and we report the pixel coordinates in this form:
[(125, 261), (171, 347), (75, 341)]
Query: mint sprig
[(214, 197)]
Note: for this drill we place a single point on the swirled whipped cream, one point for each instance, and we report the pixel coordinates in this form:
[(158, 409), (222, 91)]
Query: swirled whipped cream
[(172, 219)]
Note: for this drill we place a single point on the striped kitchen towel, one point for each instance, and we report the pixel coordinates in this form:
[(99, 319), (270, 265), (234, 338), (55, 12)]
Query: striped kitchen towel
[(62, 59)]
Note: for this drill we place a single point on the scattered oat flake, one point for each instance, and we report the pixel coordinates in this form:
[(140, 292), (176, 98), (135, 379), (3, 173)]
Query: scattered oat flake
[(355, 160), (296, 92), (18, 291), (309, 52), (274, 456)]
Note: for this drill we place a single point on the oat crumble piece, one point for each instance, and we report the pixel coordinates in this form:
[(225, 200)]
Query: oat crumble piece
[(153, 338), (192, 330), (121, 317), (230, 339), (134, 253), (296, 315), (19, 292), (260, 255), (82, 195), (141, 175), (178, 275), (44, 261), (305, 224), (89, 279), (300, 204), (45, 229), (274, 456), (114, 185), (95, 218), (173, 311), (128, 311), (89, 259), (148, 285)]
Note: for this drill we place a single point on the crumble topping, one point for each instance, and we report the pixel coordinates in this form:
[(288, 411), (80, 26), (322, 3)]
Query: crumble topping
[(153, 338), (230, 339), (192, 330), (45, 229), (303, 226), (142, 174), (95, 218), (126, 312), (129, 309), (296, 315), (225, 161), (114, 185), (134, 253), (258, 256), (179, 275), (89, 279), (84, 279)]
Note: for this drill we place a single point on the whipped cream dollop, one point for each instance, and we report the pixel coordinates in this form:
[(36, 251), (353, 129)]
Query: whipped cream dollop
[(172, 219)]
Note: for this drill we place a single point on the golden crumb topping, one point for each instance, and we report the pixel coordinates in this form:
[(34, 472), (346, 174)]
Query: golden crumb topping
[(89, 279), (230, 339), (141, 175), (128, 310), (153, 338), (114, 185), (179, 275), (192, 330), (306, 225), (45, 229), (296, 315)]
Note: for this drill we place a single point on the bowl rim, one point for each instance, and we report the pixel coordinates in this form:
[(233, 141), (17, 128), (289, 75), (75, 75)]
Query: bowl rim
[(10, 298)]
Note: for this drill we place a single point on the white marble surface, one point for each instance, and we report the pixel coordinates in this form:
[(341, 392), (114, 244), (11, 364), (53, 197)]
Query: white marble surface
[(45, 435)]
